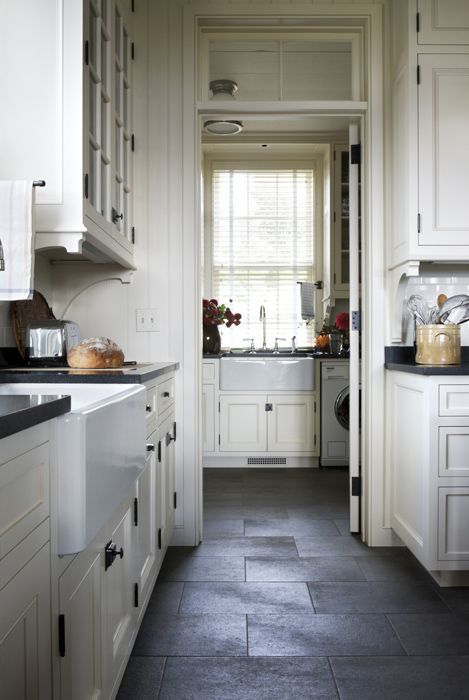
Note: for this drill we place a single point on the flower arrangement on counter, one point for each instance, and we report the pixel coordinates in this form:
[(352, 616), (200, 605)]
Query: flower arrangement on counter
[(214, 314), (341, 326)]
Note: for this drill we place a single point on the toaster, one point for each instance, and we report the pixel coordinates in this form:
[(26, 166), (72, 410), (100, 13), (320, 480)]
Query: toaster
[(48, 341)]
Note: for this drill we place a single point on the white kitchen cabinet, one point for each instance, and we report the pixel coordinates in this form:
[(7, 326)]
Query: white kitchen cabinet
[(443, 21), (168, 437), (281, 423), (429, 476), (72, 87), (208, 418), (25, 607)]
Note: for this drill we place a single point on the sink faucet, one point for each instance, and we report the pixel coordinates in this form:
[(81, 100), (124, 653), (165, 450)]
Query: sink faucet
[(293, 344), (276, 350), (262, 318), (252, 348)]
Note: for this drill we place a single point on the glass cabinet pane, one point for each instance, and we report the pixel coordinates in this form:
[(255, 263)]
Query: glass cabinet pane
[(316, 70), (104, 189)]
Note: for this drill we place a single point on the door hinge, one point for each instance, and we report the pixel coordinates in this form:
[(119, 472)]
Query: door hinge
[(132, 51), (334, 153), (62, 635), (219, 407), (356, 321), (135, 511), (175, 500), (219, 440), (132, 143), (136, 595), (87, 53), (159, 538), (86, 185), (174, 431), (355, 154), (335, 278), (315, 406), (334, 217), (159, 451), (133, 5), (133, 234), (418, 222), (418, 75), (315, 439), (269, 407), (417, 22), (356, 486)]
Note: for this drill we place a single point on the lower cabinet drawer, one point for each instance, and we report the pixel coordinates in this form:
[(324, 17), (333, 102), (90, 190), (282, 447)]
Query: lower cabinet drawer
[(453, 451), (453, 400), (164, 395), (453, 523)]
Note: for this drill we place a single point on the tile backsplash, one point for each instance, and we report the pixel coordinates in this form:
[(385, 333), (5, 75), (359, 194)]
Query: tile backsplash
[(432, 281)]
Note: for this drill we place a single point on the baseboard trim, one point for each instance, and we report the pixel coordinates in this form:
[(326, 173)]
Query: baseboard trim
[(242, 461)]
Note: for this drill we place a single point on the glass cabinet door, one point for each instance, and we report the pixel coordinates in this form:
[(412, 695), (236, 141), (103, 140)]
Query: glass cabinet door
[(341, 246)]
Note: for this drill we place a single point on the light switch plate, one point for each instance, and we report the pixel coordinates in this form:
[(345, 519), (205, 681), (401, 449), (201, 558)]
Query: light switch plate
[(147, 320)]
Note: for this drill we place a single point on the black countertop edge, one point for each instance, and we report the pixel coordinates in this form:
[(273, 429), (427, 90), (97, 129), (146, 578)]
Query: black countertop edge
[(401, 358), (18, 412), (314, 355), (129, 375)]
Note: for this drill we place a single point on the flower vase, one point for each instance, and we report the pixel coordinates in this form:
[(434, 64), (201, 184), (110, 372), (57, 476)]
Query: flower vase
[(212, 340)]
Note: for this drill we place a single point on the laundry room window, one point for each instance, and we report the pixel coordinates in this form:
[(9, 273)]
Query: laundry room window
[(262, 244)]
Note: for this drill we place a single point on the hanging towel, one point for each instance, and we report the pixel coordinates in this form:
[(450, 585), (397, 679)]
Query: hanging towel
[(307, 290), (16, 240)]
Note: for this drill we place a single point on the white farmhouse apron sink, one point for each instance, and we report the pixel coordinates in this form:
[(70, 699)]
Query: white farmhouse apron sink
[(100, 451), (273, 373)]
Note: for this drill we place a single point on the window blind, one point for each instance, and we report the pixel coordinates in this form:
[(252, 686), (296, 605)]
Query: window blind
[(262, 242)]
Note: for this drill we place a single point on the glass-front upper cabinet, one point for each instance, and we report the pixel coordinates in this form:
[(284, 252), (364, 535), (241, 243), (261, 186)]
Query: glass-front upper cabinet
[(294, 66), (107, 116)]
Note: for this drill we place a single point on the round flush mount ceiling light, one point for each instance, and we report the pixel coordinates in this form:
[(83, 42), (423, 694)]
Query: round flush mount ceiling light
[(223, 89), (223, 127)]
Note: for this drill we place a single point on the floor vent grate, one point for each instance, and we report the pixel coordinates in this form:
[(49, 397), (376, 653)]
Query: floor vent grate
[(267, 460)]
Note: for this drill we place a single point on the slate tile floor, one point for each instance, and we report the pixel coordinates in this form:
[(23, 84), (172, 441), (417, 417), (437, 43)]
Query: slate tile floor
[(280, 602)]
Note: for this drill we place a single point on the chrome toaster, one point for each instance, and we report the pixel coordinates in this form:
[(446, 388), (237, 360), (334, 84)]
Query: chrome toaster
[(48, 341)]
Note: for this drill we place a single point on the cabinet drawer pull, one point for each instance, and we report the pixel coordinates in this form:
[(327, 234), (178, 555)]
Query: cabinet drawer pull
[(269, 407), (110, 553), (159, 538), (166, 394), (148, 408), (169, 439), (150, 447)]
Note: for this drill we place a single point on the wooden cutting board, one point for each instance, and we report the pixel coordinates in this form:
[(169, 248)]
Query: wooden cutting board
[(24, 312)]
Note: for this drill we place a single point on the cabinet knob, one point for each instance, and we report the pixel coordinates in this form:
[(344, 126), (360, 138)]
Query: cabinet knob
[(169, 439), (150, 447), (116, 216), (166, 394), (148, 408), (110, 553)]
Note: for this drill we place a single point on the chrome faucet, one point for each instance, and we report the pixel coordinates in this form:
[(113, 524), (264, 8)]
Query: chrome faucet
[(293, 344), (276, 350), (252, 349), (262, 318)]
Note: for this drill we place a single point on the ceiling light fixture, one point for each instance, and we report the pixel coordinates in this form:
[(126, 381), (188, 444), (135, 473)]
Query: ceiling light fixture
[(223, 90)]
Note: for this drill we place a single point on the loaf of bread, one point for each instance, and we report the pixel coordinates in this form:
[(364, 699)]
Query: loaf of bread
[(95, 353)]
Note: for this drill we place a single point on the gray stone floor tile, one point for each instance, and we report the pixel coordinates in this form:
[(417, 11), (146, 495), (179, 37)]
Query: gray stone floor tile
[(343, 525), (142, 678), (377, 597), (262, 598), (247, 679), (332, 547), (191, 635), (318, 511), (223, 499), (224, 528), (435, 635), (248, 546), (313, 569), (192, 568), (290, 527), (215, 512), (402, 678), (393, 568), (321, 635), (166, 596), (457, 599)]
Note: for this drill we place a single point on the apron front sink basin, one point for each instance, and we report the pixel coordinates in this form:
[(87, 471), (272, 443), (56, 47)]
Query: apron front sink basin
[(267, 373)]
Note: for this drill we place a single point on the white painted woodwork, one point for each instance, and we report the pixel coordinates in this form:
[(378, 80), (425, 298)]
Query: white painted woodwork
[(164, 395), (80, 586), (443, 22), (340, 242), (243, 423), (24, 493), (208, 371), (118, 600), (25, 634), (151, 408), (453, 451), (444, 150), (291, 423), (208, 418), (453, 524), (170, 476), (453, 400)]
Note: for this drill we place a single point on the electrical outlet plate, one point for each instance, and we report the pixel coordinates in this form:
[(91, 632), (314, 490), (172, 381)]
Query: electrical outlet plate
[(147, 320)]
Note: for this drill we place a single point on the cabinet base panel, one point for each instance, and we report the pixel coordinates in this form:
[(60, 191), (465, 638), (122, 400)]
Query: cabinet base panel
[(255, 462), (451, 578)]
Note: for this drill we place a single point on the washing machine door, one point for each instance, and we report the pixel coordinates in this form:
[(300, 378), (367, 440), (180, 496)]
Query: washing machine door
[(342, 408)]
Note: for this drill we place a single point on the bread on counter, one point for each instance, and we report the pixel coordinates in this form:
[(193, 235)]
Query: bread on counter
[(95, 353)]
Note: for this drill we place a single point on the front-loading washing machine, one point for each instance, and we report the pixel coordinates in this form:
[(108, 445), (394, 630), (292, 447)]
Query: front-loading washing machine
[(334, 413)]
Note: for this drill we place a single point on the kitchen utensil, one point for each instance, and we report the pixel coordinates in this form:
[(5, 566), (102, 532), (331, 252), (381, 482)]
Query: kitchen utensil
[(451, 303), (441, 299), (457, 314), (26, 311), (48, 341), (418, 306)]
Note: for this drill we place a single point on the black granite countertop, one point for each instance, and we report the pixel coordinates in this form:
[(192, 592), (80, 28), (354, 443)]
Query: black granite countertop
[(18, 412), (314, 353), (402, 359), (132, 374)]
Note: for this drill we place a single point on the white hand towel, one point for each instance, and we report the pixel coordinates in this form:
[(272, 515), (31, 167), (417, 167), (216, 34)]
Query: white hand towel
[(307, 300), (16, 240)]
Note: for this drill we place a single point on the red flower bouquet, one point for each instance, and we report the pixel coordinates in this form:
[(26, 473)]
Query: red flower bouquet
[(342, 321), (218, 315)]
